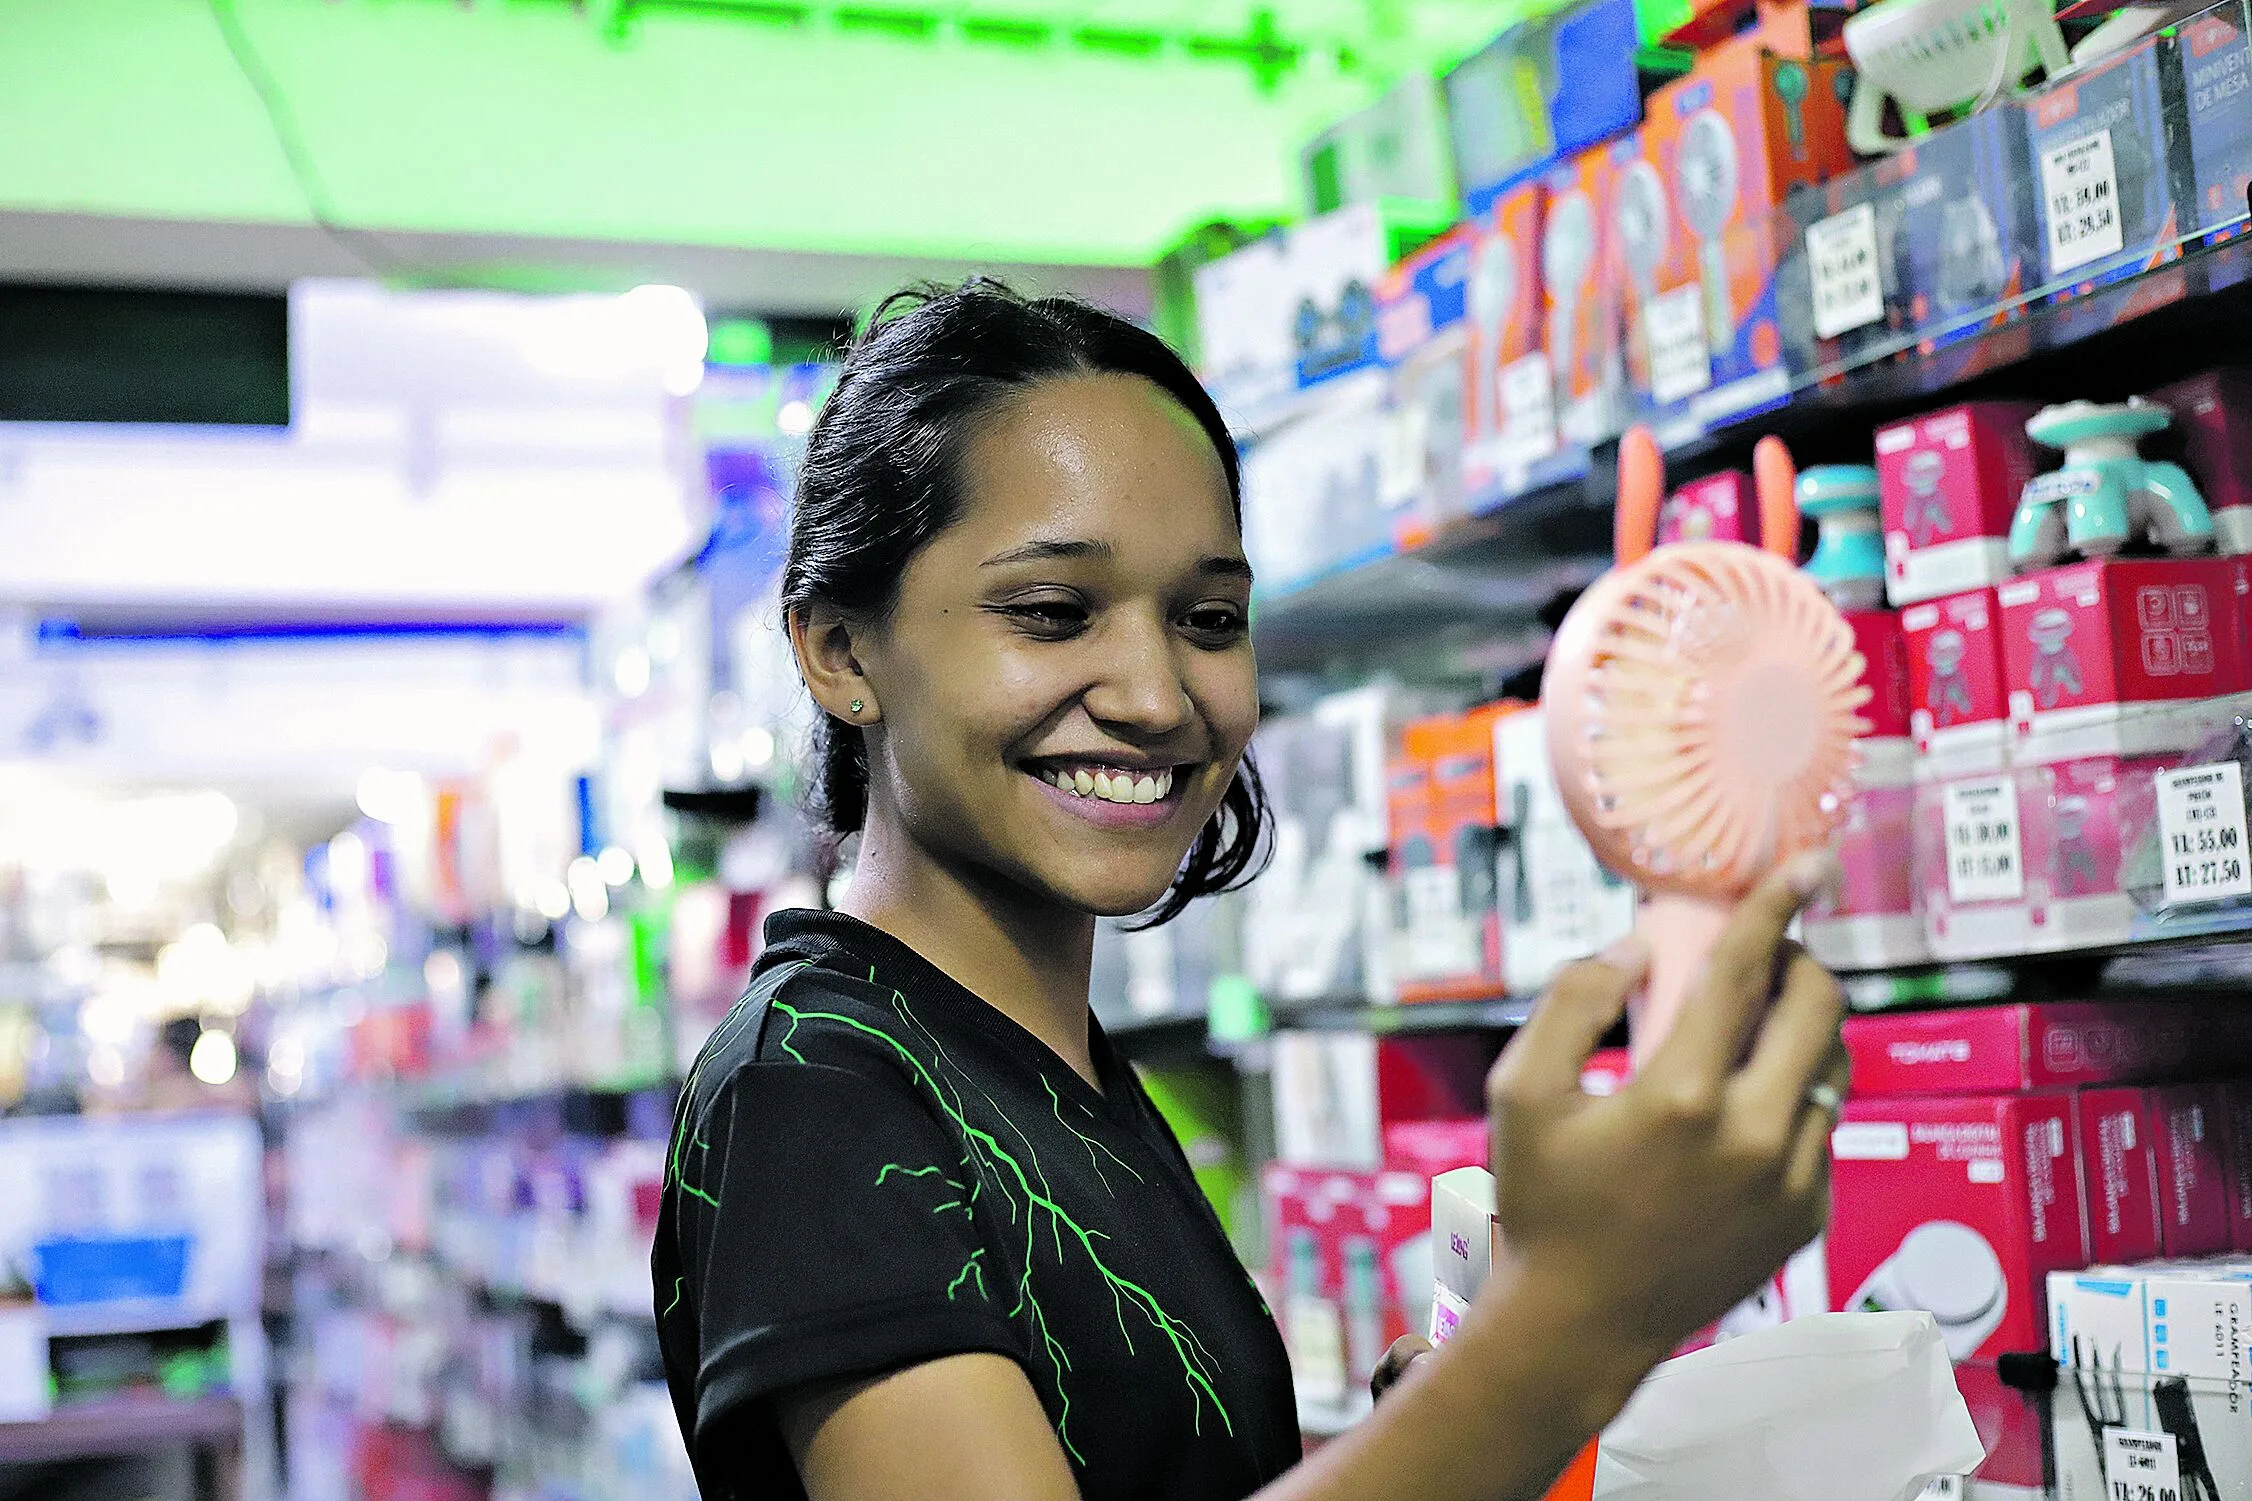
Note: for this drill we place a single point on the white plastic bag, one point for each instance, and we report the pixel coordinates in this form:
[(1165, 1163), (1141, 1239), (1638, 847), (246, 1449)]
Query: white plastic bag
[(1839, 1407)]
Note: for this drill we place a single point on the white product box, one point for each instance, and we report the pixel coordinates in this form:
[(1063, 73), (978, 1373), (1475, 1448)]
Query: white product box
[(2189, 1319), (1557, 903), (1462, 1244)]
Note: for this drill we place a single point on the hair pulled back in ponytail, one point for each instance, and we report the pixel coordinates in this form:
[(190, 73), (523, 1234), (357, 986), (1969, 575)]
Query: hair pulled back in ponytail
[(883, 476)]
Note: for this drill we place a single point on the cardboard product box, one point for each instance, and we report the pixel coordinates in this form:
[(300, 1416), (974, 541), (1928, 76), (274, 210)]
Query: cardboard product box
[(1731, 140), (2148, 1436), (1302, 1267), (1557, 903), (1424, 483), (1639, 216), (1871, 920), (1717, 508), (2182, 1318), (1791, 27), (2236, 1102), (2119, 1172), (1243, 325), (2029, 1045), (2091, 853), (1957, 703), (1431, 1147), (1394, 149), (2214, 57), (1424, 295), (1353, 1255), (2098, 641), (1444, 854), (1512, 388), (2212, 438), (1334, 264), (2104, 163), (1325, 1096), (1950, 482), (2194, 1164), (1883, 645), (1967, 843), (1580, 332), (1313, 490), (1960, 1205), (1174, 312), (1542, 90)]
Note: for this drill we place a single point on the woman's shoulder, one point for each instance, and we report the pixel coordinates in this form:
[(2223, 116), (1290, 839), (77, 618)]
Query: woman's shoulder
[(799, 1014)]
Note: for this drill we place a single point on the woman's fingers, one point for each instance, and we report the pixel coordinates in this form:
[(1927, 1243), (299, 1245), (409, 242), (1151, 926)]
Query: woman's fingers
[(1405, 1352), (1810, 1148), (1583, 1002), (1798, 1039), (1709, 1038)]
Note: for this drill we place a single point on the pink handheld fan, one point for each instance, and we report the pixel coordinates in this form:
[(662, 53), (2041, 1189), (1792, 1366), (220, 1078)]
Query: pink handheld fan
[(1701, 702)]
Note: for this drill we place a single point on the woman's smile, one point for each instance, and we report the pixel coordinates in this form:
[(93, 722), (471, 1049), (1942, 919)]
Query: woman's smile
[(1109, 794)]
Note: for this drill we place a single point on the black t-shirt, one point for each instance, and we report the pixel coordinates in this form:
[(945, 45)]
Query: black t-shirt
[(872, 1167)]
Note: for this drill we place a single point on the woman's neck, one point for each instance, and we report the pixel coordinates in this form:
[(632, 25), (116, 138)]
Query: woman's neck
[(1028, 961)]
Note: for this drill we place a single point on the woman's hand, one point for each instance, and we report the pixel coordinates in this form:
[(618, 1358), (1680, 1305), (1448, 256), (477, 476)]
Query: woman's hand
[(1404, 1352), (1655, 1210)]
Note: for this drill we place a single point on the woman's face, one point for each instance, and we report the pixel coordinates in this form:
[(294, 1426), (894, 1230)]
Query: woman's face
[(1067, 683)]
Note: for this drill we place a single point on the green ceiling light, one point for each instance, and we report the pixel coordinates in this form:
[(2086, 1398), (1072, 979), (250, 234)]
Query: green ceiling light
[(741, 341)]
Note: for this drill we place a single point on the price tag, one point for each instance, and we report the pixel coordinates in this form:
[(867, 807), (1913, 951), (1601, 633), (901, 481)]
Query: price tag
[(1842, 250), (2201, 819), (1528, 409), (2080, 183), (1984, 863), (2140, 1466), (1680, 360)]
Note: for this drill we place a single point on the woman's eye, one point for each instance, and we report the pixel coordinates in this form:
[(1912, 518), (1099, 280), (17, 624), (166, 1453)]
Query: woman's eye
[(1047, 617), (1220, 621)]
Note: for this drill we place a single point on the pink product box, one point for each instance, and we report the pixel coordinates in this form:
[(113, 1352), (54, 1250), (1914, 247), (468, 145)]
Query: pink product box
[(1878, 637), (2120, 1170), (1967, 849), (1718, 508), (1431, 1147), (2084, 643), (2085, 820), (2236, 1106), (1870, 921), (1960, 1205), (1606, 1071), (1350, 1256), (2028, 1045), (1956, 697), (2194, 1167), (1949, 484), (2213, 426)]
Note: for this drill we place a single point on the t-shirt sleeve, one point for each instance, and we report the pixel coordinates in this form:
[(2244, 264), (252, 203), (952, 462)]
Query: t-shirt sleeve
[(825, 1226)]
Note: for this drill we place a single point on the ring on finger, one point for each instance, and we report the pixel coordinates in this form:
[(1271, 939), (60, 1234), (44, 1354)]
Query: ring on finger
[(1825, 1096)]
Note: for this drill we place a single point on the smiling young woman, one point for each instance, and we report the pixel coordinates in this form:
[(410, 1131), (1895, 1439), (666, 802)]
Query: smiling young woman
[(923, 1236)]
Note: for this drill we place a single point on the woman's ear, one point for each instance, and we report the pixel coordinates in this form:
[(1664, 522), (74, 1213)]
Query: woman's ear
[(824, 642)]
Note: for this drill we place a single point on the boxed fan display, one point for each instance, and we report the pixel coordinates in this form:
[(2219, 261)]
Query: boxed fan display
[(1557, 902), (1958, 711), (1313, 492), (1960, 1205), (2104, 160), (1420, 309), (1539, 91), (2090, 647), (1352, 1253), (1730, 141), (1511, 384), (1442, 802), (1581, 329), (2215, 62), (1950, 483)]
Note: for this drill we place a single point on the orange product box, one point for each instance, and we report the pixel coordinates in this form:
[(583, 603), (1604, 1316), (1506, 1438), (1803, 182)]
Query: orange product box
[(1731, 139), (1449, 910), (1637, 208), (1509, 388), (1580, 330)]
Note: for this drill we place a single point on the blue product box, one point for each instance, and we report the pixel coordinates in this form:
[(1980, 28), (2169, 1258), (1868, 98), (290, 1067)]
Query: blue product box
[(1424, 295), (1540, 92), (2214, 54), (2103, 167)]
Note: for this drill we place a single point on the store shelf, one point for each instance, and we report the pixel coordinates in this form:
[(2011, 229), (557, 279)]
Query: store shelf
[(126, 1316), (122, 1425), (1159, 1039)]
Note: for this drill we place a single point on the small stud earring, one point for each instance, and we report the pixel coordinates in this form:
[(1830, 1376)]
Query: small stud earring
[(858, 705)]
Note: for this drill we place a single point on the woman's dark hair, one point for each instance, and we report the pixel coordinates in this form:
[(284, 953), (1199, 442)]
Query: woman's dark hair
[(883, 475)]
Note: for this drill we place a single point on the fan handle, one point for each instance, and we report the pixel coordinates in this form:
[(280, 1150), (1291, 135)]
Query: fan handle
[(1642, 488), (1775, 483)]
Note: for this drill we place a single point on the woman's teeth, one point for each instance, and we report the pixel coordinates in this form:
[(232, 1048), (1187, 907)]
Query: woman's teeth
[(1111, 786)]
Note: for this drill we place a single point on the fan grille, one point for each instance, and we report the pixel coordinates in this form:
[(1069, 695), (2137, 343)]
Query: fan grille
[(1718, 716)]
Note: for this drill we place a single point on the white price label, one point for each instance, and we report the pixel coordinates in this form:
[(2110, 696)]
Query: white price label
[(1842, 251), (2140, 1466), (2201, 820), (1528, 409), (1984, 863), (2080, 187), (1680, 359)]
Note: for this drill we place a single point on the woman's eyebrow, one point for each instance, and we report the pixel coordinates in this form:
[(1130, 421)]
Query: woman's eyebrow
[(1226, 567), (1040, 549)]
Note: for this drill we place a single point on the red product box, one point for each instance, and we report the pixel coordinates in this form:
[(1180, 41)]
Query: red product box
[(2119, 1168), (2029, 1045), (1510, 386), (1955, 686), (2083, 820), (1353, 1263), (2213, 426), (1580, 331), (2236, 1104), (1606, 1071), (2192, 1149), (1431, 1147), (1949, 483), (1884, 652), (1718, 508), (2082, 642), (1869, 920), (1967, 846), (1960, 1205)]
